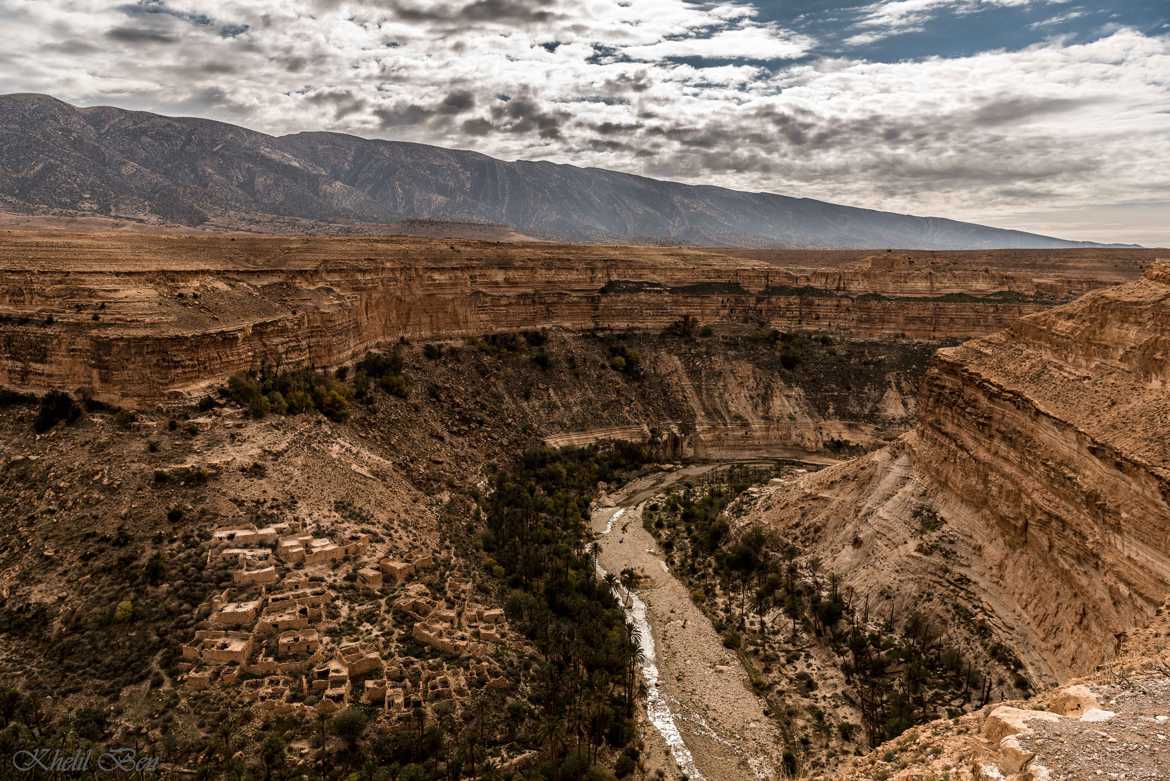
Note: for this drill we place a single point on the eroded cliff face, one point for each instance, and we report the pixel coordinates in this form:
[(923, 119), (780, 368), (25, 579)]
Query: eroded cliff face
[(1033, 497), (144, 318), (734, 395), (1058, 431)]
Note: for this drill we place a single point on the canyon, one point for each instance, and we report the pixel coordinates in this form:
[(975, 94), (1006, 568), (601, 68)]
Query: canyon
[(140, 318), (978, 438), (1032, 491)]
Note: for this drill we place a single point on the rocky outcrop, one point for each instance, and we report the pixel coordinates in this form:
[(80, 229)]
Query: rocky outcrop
[(139, 318), (1030, 507), (1114, 723)]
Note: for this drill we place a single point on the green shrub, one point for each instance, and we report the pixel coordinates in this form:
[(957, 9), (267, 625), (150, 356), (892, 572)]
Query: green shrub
[(291, 393), (395, 385), (349, 725), (124, 611), (9, 398), (627, 763), (378, 365), (386, 371), (625, 361), (124, 419), (55, 408), (685, 327), (276, 403), (89, 724)]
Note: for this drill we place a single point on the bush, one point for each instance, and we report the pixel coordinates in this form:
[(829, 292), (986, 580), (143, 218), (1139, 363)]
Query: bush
[(627, 763), (432, 351), (395, 385), (386, 371), (378, 365), (9, 398), (349, 725), (273, 751), (685, 327), (55, 407), (89, 724), (124, 611), (536, 338), (503, 343), (276, 403), (243, 389), (625, 361)]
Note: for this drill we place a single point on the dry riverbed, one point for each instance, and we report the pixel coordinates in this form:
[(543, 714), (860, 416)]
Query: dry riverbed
[(708, 724)]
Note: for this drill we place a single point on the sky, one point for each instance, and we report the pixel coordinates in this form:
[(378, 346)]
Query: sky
[(1050, 116)]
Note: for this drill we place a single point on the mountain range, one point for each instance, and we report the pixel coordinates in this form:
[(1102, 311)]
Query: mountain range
[(61, 159)]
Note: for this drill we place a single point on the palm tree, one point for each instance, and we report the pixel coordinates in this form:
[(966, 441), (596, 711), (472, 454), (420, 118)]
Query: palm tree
[(634, 657)]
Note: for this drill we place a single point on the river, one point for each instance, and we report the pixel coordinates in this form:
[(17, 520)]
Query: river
[(709, 724)]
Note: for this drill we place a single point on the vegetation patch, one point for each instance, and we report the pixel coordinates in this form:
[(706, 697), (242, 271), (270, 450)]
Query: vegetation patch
[(270, 391), (56, 407), (536, 528), (767, 599)]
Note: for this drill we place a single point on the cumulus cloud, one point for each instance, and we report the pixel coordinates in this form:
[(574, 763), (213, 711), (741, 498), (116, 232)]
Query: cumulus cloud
[(763, 42), (701, 92)]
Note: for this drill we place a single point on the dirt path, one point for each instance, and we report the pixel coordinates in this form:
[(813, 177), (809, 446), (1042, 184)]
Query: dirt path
[(699, 699)]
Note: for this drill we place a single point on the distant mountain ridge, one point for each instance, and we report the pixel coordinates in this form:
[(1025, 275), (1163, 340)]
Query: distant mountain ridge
[(58, 158)]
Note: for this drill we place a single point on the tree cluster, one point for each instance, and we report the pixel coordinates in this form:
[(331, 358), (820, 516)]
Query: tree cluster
[(902, 670), (536, 527)]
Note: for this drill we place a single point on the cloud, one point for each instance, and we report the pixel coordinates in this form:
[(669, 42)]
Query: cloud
[(701, 92), (476, 11), (139, 35), (457, 102), (886, 18), (343, 102), (402, 115), (144, 9), (1016, 109), (525, 116), (745, 43), (477, 127), (1059, 19)]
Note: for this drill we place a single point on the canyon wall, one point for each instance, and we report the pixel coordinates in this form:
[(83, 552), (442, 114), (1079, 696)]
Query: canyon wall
[(1030, 506), (146, 318)]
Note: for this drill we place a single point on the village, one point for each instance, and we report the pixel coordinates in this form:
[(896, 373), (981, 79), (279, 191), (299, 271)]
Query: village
[(284, 636)]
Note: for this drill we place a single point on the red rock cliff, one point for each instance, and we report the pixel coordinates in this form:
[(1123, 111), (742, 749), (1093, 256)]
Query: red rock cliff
[(139, 318)]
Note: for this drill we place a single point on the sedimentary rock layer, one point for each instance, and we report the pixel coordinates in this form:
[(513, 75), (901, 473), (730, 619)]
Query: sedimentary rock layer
[(1058, 431), (142, 317), (1034, 493)]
